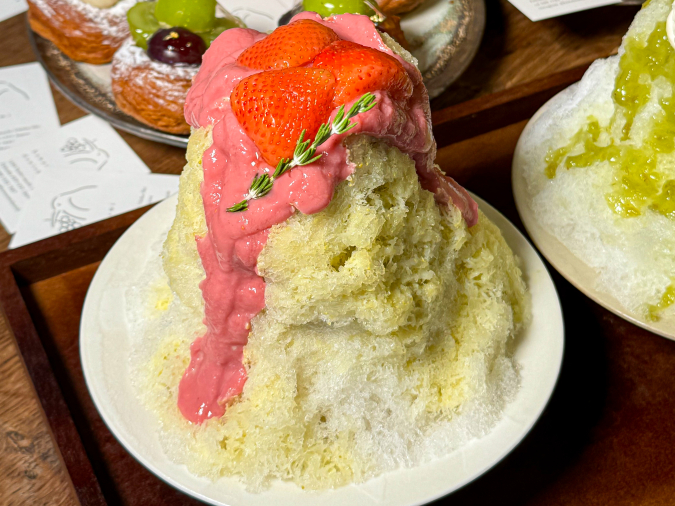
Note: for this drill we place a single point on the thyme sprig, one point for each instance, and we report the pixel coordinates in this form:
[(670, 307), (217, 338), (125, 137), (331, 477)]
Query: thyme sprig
[(305, 150)]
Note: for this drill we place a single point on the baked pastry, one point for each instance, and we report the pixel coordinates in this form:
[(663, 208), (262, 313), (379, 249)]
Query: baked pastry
[(321, 320), (85, 30), (599, 168), (153, 70), (331, 7), (150, 91)]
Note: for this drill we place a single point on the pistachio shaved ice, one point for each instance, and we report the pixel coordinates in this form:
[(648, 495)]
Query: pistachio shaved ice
[(599, 164)]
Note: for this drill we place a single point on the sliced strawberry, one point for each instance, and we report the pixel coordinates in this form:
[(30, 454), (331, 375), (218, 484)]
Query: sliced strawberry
[(274, 107), (359, 69), (288, 46)]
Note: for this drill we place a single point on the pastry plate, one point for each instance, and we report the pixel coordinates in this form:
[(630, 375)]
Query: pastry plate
[(562, 259), (88, 87), (444, 37), (105, 348)]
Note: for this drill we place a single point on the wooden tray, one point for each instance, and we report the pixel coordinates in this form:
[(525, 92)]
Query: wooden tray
[(42, 289)]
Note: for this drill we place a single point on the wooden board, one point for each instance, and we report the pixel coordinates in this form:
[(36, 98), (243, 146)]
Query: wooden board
[(45, 325), (516, 51)]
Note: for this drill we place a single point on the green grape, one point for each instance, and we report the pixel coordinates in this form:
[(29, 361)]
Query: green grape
[(195, 15), (327, 7), (221, 25), (142, 23)]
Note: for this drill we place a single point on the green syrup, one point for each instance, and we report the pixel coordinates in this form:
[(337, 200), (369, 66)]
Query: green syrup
[(637, 183)]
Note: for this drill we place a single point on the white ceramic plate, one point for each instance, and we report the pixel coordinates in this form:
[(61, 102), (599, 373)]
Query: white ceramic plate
[(562, 259), (104, 351)]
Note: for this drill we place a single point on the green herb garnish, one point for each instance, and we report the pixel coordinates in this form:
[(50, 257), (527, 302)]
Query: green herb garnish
[(304, 151)]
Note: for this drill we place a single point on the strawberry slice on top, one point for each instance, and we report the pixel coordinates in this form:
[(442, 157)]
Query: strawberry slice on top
[(274, 107), (307, 71), (359, 69), (288, 46)]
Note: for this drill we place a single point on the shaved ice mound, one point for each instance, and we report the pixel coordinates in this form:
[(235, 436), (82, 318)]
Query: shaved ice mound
[(389, 325), (386, 340)]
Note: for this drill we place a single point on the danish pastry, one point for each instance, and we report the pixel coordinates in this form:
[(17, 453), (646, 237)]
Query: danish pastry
[(150, 91), (85, 30), (152, 72)]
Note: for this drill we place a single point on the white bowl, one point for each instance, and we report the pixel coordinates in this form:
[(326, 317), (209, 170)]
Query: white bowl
[(578, 273), (105, 348)]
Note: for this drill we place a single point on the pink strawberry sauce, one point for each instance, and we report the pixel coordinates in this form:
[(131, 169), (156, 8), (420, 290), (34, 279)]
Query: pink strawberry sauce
[(233, 291)]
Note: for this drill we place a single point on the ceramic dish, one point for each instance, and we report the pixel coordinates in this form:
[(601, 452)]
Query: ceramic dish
[(562, 259), (104, 351)]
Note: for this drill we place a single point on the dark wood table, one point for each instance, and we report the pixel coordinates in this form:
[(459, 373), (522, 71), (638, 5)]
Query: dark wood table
[(30, 469), (608, 434)]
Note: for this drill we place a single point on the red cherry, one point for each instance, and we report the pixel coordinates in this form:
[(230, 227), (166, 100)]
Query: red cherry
[(176, 46)]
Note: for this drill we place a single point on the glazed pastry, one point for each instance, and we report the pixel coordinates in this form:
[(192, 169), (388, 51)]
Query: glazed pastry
[(333, 7), (153, 71), (150, 91), (85, 30), (389, 24)]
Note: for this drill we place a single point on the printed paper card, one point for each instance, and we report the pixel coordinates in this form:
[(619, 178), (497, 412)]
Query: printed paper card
[(536, 10), (26, 104), (88, 144), (9, 8), (72, 198)]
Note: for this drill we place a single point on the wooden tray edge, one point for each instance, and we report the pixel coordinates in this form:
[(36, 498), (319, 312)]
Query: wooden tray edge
[(497, 110), (33, 263)]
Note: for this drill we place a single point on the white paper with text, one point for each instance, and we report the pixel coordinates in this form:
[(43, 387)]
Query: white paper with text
[(73, 198), (9, 8), (88, 144), (26, 104), (536, 10)]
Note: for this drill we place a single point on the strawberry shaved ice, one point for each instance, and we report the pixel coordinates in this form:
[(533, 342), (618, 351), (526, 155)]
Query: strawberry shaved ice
[(233, 291), (327, 310)]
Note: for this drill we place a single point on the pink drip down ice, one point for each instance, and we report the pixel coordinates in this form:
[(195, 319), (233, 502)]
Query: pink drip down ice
[(233, 291)]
